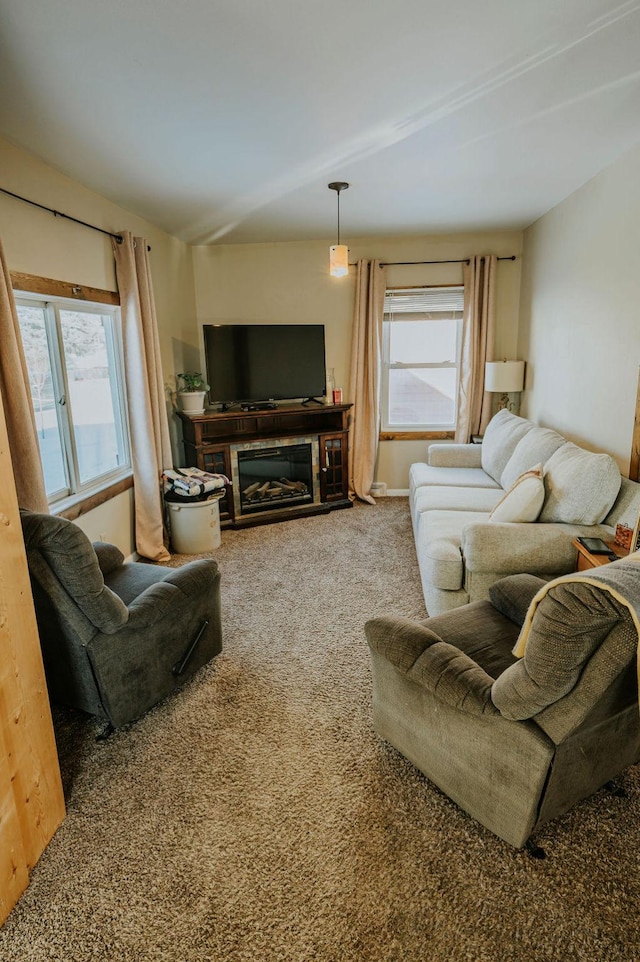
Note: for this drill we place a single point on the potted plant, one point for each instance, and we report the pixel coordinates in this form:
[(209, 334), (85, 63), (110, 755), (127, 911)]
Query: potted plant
[(193, 393)]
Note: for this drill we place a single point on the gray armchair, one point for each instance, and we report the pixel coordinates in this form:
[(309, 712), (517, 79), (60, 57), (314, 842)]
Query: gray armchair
[(516, 742), (116, 637)]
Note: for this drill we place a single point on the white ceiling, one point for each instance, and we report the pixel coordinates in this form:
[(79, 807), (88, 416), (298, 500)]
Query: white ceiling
[(224, 120)]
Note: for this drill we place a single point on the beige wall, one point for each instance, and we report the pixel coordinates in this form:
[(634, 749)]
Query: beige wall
[(285, 283), (579, 319), (36, 242)]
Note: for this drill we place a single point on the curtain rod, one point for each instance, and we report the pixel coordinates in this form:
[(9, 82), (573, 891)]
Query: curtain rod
[(56, 213), (464, 260)]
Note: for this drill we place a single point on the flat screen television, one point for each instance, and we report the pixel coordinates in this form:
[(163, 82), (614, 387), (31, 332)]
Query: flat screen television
[(253, 363)]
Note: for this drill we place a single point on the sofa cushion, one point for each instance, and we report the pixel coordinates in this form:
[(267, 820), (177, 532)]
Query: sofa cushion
[(421, 474), (500, 439), (438, 539), (536, 447), (580, 486), (433, 497), (523, 501)]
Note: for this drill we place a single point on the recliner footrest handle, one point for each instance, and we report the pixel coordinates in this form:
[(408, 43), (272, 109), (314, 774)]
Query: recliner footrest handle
[(180, 666)]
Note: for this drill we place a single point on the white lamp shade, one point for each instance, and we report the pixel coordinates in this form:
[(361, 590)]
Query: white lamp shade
[(504, 377), (339, 260)]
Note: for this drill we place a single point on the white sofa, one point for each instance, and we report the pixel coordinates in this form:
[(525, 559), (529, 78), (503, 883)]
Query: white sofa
[(462, 550)]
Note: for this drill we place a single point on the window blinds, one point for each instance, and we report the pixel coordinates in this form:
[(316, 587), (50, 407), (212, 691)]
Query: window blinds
[(424, 304)]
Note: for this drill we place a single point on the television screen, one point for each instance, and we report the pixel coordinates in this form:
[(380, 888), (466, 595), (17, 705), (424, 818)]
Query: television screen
[(264, 362)]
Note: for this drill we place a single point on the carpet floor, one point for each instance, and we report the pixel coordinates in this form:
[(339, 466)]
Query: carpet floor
[(255, 815)]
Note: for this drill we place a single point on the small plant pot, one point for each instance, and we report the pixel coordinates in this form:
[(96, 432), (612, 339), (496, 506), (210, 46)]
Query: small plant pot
[(192, 402)]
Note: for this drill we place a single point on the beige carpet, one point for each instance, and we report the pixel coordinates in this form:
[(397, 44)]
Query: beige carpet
[(256, 815)]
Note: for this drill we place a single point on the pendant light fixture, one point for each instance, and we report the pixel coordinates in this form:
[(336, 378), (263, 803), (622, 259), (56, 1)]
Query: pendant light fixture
[(338, 253)]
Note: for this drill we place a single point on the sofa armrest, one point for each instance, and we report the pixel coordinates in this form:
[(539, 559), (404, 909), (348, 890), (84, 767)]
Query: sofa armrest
[(455, 455), (506, 548)]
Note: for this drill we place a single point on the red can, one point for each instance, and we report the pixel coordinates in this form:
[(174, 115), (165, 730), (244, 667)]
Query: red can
[(337, 395)]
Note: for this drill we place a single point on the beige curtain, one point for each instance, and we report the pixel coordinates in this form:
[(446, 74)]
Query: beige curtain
[(478, 335), (148, 425), (364, 382), (16, 400)]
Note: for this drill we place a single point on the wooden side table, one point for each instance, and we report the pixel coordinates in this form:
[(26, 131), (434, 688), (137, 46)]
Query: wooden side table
[(586, 560)]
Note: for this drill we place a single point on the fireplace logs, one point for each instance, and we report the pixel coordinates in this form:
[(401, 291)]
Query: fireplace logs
[(281, 488), (275, 477)]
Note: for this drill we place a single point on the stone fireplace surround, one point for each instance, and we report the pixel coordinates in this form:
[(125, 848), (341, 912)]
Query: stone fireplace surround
[(276, 466)]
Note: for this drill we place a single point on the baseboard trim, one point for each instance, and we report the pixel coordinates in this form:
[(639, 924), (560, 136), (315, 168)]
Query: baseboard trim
[(397, 492)]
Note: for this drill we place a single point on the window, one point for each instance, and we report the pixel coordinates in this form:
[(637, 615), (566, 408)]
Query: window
[(421, 356), (73, 354)]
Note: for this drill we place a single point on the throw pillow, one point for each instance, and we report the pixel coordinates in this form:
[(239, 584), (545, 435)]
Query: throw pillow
[(503, 432), (580, 486), (524, 499), (536, 447)]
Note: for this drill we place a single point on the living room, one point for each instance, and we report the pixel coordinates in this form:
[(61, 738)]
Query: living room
[(555, 304), (564, 305)]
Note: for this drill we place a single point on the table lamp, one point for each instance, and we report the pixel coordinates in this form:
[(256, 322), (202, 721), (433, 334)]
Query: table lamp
[(504, 378)]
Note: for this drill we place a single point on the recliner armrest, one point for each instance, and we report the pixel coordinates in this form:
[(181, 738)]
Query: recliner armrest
[(455, 679), (109, 556), (399, 640), (152, 606), (191, 580), (511, 596), (440, 668), (195, 576)]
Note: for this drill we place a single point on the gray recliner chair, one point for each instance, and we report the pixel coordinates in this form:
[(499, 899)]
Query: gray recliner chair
[(116, 637), (517, 741)]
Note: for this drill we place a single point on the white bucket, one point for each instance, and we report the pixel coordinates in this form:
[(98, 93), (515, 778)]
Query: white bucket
[(194, 528)]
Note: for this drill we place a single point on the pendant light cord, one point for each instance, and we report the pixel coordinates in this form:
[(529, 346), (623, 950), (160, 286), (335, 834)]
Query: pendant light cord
[(338, 185)]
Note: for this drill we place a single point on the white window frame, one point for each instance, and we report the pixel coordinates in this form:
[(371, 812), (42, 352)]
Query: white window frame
[(75, 490), (422, 305)]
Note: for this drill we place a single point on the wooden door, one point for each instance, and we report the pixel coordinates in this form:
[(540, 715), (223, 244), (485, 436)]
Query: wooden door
[(31, 798)]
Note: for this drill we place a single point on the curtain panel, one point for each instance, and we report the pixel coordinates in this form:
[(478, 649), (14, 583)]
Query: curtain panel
[(364, 381), (478, 337), (16, 400), (148, 423)]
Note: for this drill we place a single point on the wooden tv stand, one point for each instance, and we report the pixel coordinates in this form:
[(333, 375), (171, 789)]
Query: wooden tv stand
[(212, 440)]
